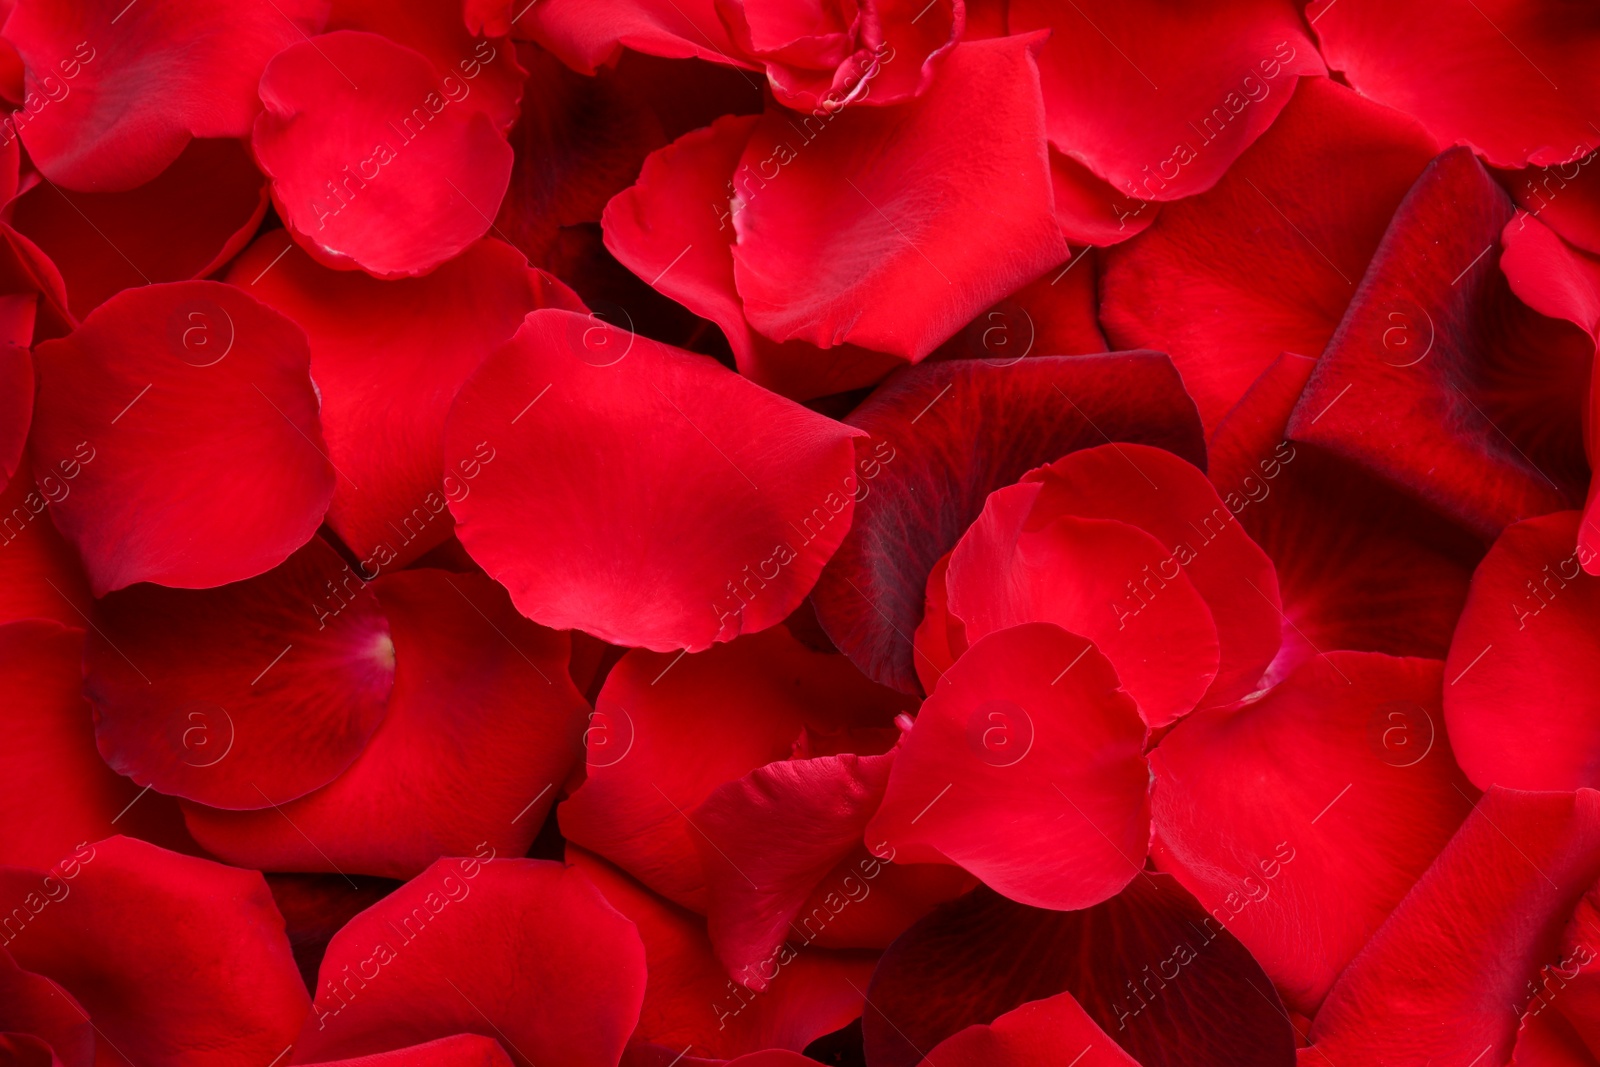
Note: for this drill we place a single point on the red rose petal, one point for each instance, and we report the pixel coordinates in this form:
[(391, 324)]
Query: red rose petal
[(16, 404), (353, 175), (32, 1004), (1090, 211), (940, 637), (1484, 423), (694, 1010), (587, 34), (866, 233), (1277, 814), (630, 469), (946, 435), (196, 404), (1317, 190), (316, 906), (1095, 578), (1042, 759), (388, 358), (1489, 80), (177, 960), (667, 731), (1053, 315), (246, 696), (1236, 63), (184, 223), (1036, 1034), (1522, 699), (453, 951), (1566, 198), (1466, 942), (39, 572), (1158, 975), (24, 268), (124, 90), (431, 782), (459, 1050)]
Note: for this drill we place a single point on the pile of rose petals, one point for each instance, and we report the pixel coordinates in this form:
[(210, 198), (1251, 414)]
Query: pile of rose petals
[(584, 533)]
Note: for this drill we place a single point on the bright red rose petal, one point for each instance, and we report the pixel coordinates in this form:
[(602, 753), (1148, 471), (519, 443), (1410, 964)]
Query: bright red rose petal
[(1566, 198), (587, 34), (1514, 80), (177, 960), (123, 90), (1090, 211), (375, 161), (246, 696), (689, 1002), (525, 951), (197, 405), (1229, 69), (946, 435), (667, 732), (1439, 379), (184, 223), (1206, 1004), (1466, 943), (1315, 192), (1523, 695), (1025, 767), (1280, 814), (39, 573), (631, 469), (459, 1050), (388, 358), (1053, 315), (24, 268), (897, 227), (1036, 1034)]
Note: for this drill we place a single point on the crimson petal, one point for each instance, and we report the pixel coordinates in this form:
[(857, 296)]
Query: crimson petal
[(1036, 1034), (39, 573), (32, 1004), (459, 1050)]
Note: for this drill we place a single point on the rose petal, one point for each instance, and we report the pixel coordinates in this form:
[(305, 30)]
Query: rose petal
[(1028, 724), (449, 952), (246, 696), (195, 401), (657, 448), (587, 34), (39, 572), (947, 435), (316, 906), (16, 405), (459, 1050), (177, 960), (32, 1004), (354, 177), (1036, 1034)]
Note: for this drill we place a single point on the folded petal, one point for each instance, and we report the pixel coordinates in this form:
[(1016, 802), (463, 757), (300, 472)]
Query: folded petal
[(120, 92), (630, 469), (394, 179), (40, 577), (388, 358), (432, 782), (859, 226), (194, 400), (1236, 63), (1277, 814), (525, 951), (1041, 756), (1035, 1034), (1513, 80), (1319, 187), (1565, 197), (668, 730), (245, 696), (177, 960), (460, 1050), (1457, 392), (31, 1004), (947, 435), (1467, 941), (586, 34)]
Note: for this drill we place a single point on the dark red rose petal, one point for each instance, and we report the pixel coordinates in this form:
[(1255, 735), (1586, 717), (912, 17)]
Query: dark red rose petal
[(587, 34), (668, 730), (196, 404), (16, 404), (376, 160), (1315, 192), (177, 960), (432, 782), (316, 906), (524, 951), (944, 436), (24, 268), (184, 223), (1282, 815), (122, 91), (1096, 578), (694, 1010), (1466, 942), (674, 229), (1036, 1034), (862, 227), (388, 358), (1514, 80), (459, 1050), (1026, 768), (242, 697), (1521, 695), (1360, 565), (1229, 69), (1149, 967), (1457, 392), (31, 1004), (39, 573), (630, 469)]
